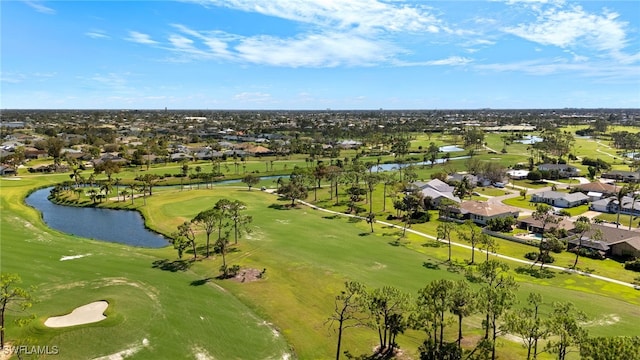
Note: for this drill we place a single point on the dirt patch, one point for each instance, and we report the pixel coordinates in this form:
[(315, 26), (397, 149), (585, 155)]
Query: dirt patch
[(470, 341), (248, 275), (605, 320), (201, 354), (126, 353)]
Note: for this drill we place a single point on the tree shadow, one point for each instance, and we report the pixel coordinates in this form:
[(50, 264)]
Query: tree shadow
[(331, 217), (395, 233), (431, 265), (200, 282), (433, 244), (354, 220), (280, 206), (365, 233), (385, 354), (398, 242), (173, 266), (535, 272), (455, 267)]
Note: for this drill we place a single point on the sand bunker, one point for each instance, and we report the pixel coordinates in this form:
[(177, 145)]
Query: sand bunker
[(73, 257), (85, 314)]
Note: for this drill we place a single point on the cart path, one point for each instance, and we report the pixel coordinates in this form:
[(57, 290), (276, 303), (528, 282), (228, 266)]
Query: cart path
[(526, 262)]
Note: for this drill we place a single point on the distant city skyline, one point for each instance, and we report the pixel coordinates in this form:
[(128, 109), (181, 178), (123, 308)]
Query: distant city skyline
[(307, 55)]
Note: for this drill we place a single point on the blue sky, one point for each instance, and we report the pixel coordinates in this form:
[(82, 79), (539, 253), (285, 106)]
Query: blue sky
[(337, 54)]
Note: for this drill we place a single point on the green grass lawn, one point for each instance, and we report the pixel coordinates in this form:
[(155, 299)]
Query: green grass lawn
[(307, 255), (178, 319)]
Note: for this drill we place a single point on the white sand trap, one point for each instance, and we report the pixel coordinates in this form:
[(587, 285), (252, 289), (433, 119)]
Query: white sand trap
[(72, 257), (85, 314)]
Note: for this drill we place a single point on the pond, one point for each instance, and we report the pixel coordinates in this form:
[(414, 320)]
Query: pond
[(389, 167), (450, 148), (119, 226), (530, 139)]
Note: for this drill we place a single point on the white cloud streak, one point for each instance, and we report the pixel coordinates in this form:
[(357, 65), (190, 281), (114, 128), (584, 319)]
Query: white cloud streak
[(140, 38), (40, 7), (97, 34), (363, 16)]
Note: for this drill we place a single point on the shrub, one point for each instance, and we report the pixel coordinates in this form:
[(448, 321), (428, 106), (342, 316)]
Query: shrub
[(548, 259), (534, 175), (633, 265), (501, 224), (420, 217)]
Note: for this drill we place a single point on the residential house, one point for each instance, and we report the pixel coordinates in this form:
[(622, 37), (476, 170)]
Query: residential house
[(33, 153), (612, 241), (621, 175), (598, 190), (560, 199), (610, 205), (535, 226), (517, 174), (436, 190), (457, 177), (563, 170), (481, 211), (7, 170)]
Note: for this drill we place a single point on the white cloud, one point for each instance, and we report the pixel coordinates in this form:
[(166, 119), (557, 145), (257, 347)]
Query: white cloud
[(252, 97), (360, 15), (40, 7), (450, 61), (313, 50), (540, 67), (573, 27), (140, 38), (113, 82), (12, 78), (328, 49), (97, 34), (335, 33)]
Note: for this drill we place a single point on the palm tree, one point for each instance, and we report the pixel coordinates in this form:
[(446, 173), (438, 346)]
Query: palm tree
[(106, 187), (620, 195), (92, 195), (371, 219), (124, 194), (198, 170), (371, 180), (132, 190), (634, 196), (116, 182)]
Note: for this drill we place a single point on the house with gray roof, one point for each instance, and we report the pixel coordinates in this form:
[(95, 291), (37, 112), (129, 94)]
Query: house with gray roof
[(560, 199), (611, 241), (611, 205), (563, 170), (435, 190)]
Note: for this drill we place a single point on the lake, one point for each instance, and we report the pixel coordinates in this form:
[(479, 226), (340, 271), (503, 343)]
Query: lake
[(530, 139), (389, 167), (450, 148), (119, 226)]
